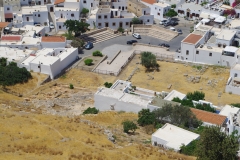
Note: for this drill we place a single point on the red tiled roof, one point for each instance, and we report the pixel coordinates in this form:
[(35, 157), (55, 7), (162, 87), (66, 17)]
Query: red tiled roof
[(11, 38), (53, 39), (209, 117), (192, 38), (3, 24), (149, 1), (8, 15), (59, 1)]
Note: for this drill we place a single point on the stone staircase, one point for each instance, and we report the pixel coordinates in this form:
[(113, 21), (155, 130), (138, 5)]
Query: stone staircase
[(99, 36), (156, 32)]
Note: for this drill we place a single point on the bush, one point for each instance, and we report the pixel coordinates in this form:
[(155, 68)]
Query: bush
[(91, 111), (88, 62), (108, 85), (196, 96), (171, 13), (11, 74), (129, 125), (190, 149), (97, 53), (173, 6), (120, 29), (85, 11), (136, 20), (236, 105), (145, 117), (71, 86)]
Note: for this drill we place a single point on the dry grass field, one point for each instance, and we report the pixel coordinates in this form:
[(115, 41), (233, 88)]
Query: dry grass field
[(37, 136)]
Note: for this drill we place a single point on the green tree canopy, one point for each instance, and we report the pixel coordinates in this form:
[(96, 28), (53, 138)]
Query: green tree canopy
[(91, 111), (77, 27), (136, 20), (129, 125), (149, 60), (85, 11), (77, 43), (145, 117), (216, 145), (171, 13), (173, 6), (196, 95)]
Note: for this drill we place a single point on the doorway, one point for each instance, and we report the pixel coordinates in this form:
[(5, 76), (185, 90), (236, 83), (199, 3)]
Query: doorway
[(51, 9), (144, 13), (106, 24), (123, 8), (120, 24), (188, 14), (61, 15), (27, 18)]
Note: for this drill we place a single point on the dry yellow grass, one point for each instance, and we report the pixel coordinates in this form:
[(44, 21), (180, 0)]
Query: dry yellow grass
[(51, 137), (173, 73)]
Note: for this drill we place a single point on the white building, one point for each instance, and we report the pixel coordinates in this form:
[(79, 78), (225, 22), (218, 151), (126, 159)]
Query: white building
[(173, 137), (233, 122), (175, 94), (159, 9), (50, 61), (122, 97), (227, 109)]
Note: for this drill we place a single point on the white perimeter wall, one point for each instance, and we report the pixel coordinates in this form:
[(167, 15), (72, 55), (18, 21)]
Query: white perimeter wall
[(53, 44)]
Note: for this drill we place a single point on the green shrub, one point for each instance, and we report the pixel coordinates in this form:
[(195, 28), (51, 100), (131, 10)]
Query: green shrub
[(145, 117), (71, 86), (108, 85), (196, 96), (120, 29), (91, 111), (173, 6), (85, 11), (97, 53), (190, 149), (129, 125), (236, 105), (88, 62), (11, 74)]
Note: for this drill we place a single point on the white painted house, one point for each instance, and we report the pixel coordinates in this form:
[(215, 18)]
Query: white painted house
[(50, 61), (233, 123), (172, 137)]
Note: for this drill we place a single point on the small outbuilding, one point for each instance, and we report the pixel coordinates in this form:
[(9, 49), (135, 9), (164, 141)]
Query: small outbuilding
[(172, 137)]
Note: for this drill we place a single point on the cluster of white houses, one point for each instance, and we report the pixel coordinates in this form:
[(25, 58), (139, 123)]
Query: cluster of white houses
[(123, 96)]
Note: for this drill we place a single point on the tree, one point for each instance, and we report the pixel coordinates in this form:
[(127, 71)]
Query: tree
[(3, 62), (120, 29), (88, 62), (108, 85), (97, 53), (171, 13), (136, 20), (85, 11), (173, 6), (129, 125), (216, 145), (77, 27), (77, 43), (149, 60), (91, 111), (145, 117), (68, 35), (190, 149)]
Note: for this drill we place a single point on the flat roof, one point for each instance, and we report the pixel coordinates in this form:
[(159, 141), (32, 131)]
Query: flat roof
[(225, 7), (174, 94), (237, 67), (54, 39), (120, 85), (209, 117), (211, 49), (229, 109), (231, 49), (4, 24), (14, 54), (31, 9), (28, 60), (130, 98), (192, 6), (226, 34), (37, 29), (192, 38), (158, 102), (161, 4), (45, 60), (139, 4), (175, 136), (31, 40), (104, 9), (110, 93), (235, 23)]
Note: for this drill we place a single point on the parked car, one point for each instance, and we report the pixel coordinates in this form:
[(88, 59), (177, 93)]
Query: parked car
[(172, 28), (173, 23), (167, 24), (164, 45), (179, 31), (51, 25), (89, 45), (131, 41), (162, 22), (136, 35)]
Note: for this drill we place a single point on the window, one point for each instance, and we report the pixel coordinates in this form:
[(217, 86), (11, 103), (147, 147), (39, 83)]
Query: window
[(186, 58), (119, 7), (59, 27), (159, 9), (84, 1), (148, 20), (114, 24), (158, 14), (155, 8), (99, 24), (105, 16), (210, 54), (72, 15), (8, 9), (99, 17), (14, 16), (187, 52), (127, 23), (39, 15), (197, 52)]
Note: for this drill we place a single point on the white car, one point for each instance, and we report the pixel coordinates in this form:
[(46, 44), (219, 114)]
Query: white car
[(172, 28), (51, 25), (136, 35)]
